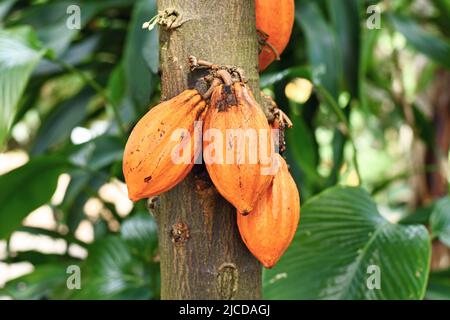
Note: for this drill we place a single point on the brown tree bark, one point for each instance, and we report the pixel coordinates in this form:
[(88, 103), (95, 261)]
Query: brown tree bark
[(437, 158), (202, 255)]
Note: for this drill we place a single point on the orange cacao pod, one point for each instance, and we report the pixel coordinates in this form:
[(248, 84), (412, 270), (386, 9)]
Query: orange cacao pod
[(160, 151), (237, 146), (269, 229), (275, 19)]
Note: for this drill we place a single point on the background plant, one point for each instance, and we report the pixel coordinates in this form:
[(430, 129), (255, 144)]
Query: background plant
[(369, 147)]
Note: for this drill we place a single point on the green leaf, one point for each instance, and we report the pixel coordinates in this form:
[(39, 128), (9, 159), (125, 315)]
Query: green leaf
[(369, 39), (99, 152), (443, 18), (420, 216), (323, 51), (140, 80), (37, 284), (440, 220), (302, 147), (73, 56), (50, 20), (108, 149), (58, 126), (346, 23), (111, 272), (268, 79), (439, 285), (5, 6), (27, 188), (436, 48), (19, 54), (83, 185), (140, 232), (341, 235)]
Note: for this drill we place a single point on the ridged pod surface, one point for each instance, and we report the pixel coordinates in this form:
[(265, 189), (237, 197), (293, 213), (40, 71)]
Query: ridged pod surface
[(276, 19), (269, 229), (235, 120), (156, 140)]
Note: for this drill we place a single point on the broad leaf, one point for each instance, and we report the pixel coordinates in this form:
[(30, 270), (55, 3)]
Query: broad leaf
[(342, 244), (53, 19), (112, 272), (140, 80), (323, 52), (139, 231), (5, 6), (58, 126), (436, 48), (38, 284), (346, 23), (27, 188), (19, 54), (74, 55)]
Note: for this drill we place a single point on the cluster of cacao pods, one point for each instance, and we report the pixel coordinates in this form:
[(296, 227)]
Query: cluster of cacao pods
[(274, 22), (238, 152)]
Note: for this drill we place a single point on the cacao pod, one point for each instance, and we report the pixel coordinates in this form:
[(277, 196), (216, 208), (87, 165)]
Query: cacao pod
[(160, 151), (269, 229), (237, 146), (275, 19)]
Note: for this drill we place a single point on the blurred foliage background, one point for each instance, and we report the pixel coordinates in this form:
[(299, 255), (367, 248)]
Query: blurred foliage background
[(366, 83)]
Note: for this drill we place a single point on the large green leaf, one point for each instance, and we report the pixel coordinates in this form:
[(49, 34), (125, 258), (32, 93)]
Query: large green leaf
[(98, 153), (36, 285), (369, 40), (19, 54), (341, 236), (27, 188), (140, 81), (440, 220), (436, 48), (139, 231), (5, 6), (74, 55), (50, 19), (346, 21), (59, 124), (112, 272), (323, 52), (302, 146)]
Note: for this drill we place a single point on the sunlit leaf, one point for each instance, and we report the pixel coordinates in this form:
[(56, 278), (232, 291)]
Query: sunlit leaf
[(19, 54), (341, 242)]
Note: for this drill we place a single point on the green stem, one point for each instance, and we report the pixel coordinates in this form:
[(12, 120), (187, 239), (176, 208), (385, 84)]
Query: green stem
[(110, 105), (343, 119)]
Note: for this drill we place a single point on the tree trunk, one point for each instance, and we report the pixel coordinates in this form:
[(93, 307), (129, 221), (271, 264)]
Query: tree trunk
[(437, 158), (202, 254)]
